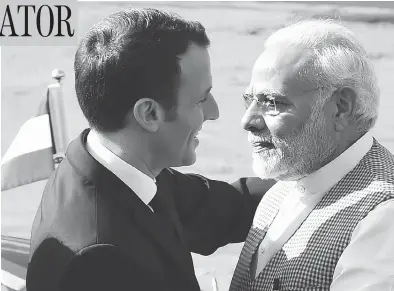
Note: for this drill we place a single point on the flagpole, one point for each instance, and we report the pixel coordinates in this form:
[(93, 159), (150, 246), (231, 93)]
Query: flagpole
[(58, 122), (214, 284)]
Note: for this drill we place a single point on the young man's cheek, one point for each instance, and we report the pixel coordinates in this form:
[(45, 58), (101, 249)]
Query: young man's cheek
[(196, 118)]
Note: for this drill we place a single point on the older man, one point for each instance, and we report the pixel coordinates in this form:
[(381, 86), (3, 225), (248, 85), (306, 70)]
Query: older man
[(328, 223)]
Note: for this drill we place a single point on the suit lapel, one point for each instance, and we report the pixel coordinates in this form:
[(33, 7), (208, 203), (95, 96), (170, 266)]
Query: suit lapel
[(164, 237), (153, 227), (164, 189)]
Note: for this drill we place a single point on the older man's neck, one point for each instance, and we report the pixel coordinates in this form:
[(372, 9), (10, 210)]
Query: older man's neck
[(346, 139)]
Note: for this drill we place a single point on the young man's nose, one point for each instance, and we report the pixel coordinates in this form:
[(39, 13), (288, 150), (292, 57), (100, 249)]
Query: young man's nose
[(211, 109), (253, 120)]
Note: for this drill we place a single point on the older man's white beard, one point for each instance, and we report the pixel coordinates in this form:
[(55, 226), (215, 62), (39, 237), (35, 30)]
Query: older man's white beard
[(297, 155)]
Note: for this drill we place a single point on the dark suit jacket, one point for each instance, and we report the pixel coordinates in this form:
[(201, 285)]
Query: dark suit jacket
[(92, 232)]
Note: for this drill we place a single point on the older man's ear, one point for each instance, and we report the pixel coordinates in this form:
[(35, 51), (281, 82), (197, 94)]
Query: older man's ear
[(345, 100)]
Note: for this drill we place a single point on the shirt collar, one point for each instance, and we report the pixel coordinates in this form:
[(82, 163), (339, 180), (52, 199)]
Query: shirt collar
[(141, 184), (326, 177)]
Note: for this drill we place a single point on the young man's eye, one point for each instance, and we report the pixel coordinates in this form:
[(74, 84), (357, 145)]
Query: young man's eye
[(202, 100)]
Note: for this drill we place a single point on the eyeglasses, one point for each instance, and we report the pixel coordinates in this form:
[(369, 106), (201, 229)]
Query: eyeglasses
[(269, 103)]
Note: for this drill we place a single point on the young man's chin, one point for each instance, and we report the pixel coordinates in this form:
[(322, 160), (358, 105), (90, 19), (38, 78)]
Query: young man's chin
[(189, 159)]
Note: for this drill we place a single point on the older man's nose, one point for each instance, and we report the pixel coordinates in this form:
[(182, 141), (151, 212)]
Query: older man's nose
[(211, 109), (252, 119)]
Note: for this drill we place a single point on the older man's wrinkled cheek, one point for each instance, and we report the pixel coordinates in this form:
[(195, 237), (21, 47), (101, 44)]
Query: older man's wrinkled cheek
[(284, 126)]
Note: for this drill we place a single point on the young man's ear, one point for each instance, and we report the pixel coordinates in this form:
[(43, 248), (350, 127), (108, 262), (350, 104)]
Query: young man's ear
[(147, 113), (345, 103)]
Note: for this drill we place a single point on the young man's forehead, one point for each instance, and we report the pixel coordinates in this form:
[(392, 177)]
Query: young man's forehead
[(196, 56)]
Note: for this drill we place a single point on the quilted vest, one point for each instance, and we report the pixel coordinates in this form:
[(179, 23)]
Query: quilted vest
[(308, 259)]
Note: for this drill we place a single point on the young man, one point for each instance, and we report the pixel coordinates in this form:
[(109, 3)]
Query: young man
[(114, 216)]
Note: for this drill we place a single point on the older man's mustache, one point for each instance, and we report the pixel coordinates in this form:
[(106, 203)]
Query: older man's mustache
[(257, 139), (262, 142)]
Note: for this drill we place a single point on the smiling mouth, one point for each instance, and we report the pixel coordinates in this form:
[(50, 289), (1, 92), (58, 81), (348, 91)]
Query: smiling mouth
[(197, 133), (195, 138)]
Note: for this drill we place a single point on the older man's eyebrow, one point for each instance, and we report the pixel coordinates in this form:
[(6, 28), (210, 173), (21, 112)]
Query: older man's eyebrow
[(275, 94)]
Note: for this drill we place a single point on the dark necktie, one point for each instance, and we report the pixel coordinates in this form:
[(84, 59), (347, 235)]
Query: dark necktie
[(161, 209)]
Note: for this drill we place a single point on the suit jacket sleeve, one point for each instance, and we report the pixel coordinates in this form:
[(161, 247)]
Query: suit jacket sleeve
[(215, 213), (103, 268)]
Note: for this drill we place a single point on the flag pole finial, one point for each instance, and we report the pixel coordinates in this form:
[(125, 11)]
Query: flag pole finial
[(58, 75)]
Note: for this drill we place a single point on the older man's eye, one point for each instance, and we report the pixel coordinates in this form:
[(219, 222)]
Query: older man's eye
[(273, 101), (270, 102), (272, 105), (248, 99)]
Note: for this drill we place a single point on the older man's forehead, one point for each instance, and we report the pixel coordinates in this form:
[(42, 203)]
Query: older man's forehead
[(280, 58), (265, 88), (282, 69)]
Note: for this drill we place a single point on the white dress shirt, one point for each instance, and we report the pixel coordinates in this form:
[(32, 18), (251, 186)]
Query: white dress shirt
[(142, 185), (367, 263)]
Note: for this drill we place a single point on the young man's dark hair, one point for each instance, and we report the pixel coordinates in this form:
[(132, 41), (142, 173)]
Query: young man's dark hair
[(130, 55)]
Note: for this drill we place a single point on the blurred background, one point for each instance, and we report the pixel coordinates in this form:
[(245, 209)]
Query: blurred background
[(237, 31)]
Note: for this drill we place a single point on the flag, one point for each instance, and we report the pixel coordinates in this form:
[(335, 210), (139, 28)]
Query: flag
[(38, 146), (37, 149), (29, 157)]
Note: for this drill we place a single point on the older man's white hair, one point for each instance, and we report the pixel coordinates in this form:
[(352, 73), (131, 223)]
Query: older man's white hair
[(338, 59)]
